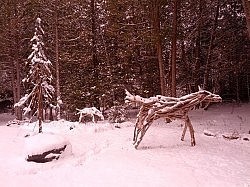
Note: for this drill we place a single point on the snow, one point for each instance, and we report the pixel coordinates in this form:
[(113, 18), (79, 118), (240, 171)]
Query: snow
[(23, 100), (103, 155)]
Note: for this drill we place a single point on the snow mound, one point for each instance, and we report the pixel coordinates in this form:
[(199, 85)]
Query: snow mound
[(44, 142)]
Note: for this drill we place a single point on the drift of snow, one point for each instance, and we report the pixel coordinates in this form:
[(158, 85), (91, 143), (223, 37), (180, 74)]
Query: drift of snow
[(103, 155)]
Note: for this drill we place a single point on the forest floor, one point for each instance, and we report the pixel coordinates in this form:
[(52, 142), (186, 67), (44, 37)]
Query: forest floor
[(103, 155)]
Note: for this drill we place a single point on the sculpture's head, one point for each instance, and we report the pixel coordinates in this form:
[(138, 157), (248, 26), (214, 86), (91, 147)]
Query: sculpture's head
[(207, 96)]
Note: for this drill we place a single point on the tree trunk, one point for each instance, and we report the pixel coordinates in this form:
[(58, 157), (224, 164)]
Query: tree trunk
[(197, 75), (210, 48), (157, 33), (18, 111), (173, 51), (93, 30), (18, 90), (246, 6), (237, 87), (40, 106), (58, 93), (94, 50), (13, 80), (248, 89)]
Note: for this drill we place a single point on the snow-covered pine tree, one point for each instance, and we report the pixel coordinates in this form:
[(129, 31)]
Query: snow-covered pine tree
[(39, 77)]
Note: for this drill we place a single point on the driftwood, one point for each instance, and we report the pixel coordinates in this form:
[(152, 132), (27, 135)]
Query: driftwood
[(208, 133), (231, 136), (170, 108)]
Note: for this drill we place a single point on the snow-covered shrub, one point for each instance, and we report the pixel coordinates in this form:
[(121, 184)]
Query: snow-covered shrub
[(117, 114)]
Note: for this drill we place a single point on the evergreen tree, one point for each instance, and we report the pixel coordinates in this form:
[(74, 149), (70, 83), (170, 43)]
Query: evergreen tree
[(39, 77)]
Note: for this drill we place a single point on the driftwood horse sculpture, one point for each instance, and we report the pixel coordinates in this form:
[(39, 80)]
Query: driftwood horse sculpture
[(170, 108), (93, 112)]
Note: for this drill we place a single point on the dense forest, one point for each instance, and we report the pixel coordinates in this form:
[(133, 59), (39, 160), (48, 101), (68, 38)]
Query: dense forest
[(99, 48)]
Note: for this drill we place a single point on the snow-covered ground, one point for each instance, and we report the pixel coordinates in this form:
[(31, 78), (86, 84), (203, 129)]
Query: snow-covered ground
[(103, 155)]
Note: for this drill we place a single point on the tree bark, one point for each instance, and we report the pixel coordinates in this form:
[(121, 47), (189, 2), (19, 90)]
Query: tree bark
[(18, 90), (173, 50), (157, 33), (93, 30), (198, 74), (210, 48), (58, 93), (248, 89), (94, 50), (40, 105), (17, 79), (246, 6), (13, 80)]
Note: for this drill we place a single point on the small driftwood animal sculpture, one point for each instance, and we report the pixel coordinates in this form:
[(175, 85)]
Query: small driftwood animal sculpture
[(170, 108), (93, 112)]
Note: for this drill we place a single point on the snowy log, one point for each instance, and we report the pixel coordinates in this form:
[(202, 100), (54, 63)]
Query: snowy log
[(208, 133), (231, 136)]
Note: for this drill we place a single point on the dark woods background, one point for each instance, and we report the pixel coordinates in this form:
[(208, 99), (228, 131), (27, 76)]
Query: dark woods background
[(101, 47)]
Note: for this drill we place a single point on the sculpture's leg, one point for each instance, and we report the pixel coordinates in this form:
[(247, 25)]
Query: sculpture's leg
[(191, 130), (80, 118), (138, 126), (140, 139), (136, 134), (137, 129), (143, 132), (184, 132), (93, 118)]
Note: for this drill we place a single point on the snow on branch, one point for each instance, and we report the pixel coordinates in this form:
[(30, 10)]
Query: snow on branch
[(24, 99), (139, 99)]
